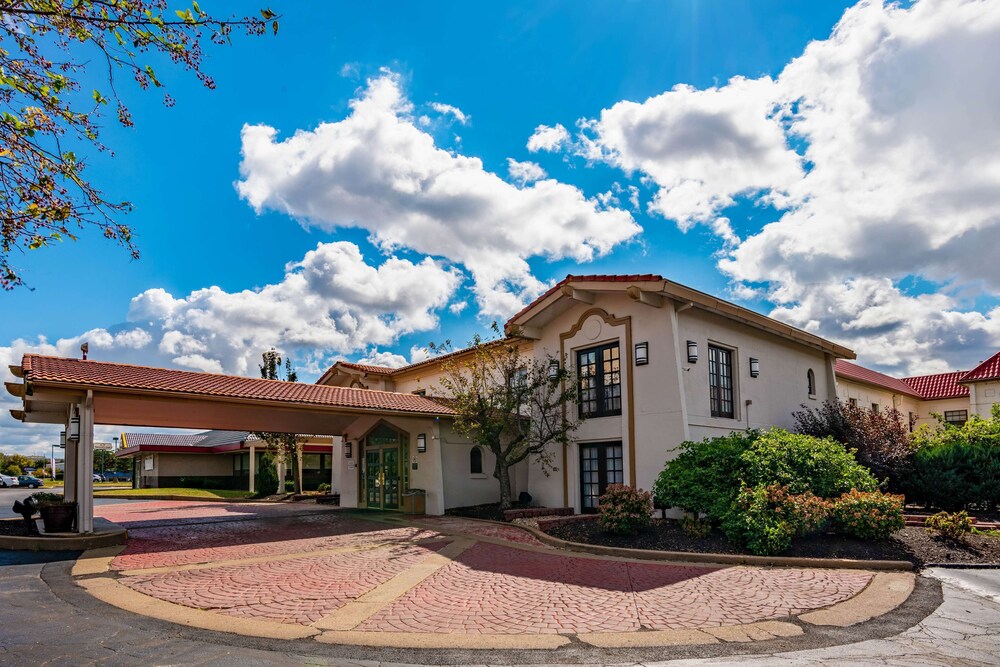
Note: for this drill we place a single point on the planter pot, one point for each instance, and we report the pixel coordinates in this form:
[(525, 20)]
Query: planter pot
[(58, 518)]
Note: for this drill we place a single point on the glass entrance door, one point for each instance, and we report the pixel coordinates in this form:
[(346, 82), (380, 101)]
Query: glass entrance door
[(385, 472), (600, 466)]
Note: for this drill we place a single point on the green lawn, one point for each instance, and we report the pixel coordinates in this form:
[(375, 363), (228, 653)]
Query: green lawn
[(189, 493)]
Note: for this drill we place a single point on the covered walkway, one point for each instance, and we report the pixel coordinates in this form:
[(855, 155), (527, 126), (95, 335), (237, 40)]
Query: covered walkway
[(78, 394)]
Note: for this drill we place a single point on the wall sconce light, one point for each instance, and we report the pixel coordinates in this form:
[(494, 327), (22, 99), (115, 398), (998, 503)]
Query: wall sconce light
[(692, 352), (74, 428), (421, 443), (62, 439), (553, 369), (754, 367), (641, 354), (348, 449)]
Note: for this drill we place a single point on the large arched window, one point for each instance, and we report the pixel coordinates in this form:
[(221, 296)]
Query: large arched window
[(476, 461), (811, 380)]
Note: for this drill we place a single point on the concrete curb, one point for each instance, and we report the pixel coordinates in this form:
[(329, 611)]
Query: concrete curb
[(109, 535), (708, 558)]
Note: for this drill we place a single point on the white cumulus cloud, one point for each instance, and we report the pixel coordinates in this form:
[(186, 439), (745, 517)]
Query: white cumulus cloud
[(377, 170), (524, 173), (546, 138)]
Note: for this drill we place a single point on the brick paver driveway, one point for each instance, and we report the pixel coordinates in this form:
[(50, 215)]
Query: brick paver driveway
[(357, 573)]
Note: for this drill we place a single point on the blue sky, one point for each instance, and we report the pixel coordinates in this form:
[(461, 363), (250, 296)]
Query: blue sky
[(830, 187)]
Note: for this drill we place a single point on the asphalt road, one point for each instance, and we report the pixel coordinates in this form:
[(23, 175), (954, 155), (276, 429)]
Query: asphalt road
[(9, 495)]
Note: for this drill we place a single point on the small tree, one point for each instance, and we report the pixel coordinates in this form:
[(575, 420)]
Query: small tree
[(267, 479), (514, 406), (287, 445)]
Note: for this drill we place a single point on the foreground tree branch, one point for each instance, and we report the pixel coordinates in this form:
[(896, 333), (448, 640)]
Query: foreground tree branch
[(45, 197)]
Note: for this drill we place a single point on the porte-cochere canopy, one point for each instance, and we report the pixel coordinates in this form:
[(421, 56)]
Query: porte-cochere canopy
[(56, 390)]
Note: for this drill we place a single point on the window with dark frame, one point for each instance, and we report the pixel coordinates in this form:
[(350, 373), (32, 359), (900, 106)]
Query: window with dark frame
[(875, 408), (956, 417), (599, 370), (720, 381), (476, 461), (853, 402), (811, 382)]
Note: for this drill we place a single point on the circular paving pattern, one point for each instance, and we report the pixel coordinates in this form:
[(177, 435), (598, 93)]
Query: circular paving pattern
[(368, 576)]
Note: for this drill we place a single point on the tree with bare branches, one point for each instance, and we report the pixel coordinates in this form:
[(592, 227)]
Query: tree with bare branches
[(513, 405)]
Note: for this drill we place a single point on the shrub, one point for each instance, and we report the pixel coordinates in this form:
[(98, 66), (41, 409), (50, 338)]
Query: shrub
[(324, 488), (952, 526), (868, 515), (695, 527), (881, 440), (266, 481), (705, 477), (43, 498), (957, 468), (624, 510), (804, 463), (289, 486), (765, 518)]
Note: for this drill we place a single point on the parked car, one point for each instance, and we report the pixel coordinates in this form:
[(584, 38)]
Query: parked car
[(7, 480), (98, 478), (28, 480)]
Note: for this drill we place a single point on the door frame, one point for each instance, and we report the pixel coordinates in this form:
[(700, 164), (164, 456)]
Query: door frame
[(602, 459), (402, 448)]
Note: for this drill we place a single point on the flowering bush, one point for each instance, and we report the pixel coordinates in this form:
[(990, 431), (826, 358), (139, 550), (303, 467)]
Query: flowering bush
[(765, 518), (624, 510), (870, 515), (952, 526)]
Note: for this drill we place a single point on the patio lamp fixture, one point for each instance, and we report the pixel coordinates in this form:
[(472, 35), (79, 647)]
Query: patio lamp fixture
[(421, 442), (641, 354), (347, 449), (754, 367), (74, 428), (62, 439), (692, 352), (553, 369)]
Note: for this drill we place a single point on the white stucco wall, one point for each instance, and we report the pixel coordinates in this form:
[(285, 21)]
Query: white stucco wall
[(982, 396)]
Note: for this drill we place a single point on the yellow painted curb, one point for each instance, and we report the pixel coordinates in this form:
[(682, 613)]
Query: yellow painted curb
[(885, 592), (96, 561), (442, 641), (678, 637), (753, 632), (110, 591)]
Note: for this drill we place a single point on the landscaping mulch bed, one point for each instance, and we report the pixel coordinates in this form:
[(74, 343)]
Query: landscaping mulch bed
[(15, 528), (911, 544), (488, 511)]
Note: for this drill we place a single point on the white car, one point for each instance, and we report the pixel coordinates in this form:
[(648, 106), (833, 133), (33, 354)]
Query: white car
[(7, 480)]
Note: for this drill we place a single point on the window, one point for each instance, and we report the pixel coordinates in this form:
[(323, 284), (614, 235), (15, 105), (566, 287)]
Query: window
[(599, 369), (720, 381), (811, 382), (875, 408), (601, 465), (910, 420), (853, 402), (956, 417), (476, 461)]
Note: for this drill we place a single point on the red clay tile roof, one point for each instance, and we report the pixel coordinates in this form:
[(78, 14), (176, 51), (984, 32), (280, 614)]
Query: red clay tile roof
[(57, 370), (988, 370), (366, 368), (591, 278), (938, 386), (162, 439), (847, 370)]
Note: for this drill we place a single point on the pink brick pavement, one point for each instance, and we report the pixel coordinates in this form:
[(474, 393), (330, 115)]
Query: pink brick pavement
[(492, 589), (488, 589)]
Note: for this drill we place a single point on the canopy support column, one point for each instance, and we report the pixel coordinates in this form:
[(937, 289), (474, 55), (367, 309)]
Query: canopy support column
[(253, 469), (85, 468)]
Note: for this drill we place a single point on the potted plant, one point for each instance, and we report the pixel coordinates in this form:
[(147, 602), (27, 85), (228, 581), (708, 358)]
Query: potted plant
[(58, 516)]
